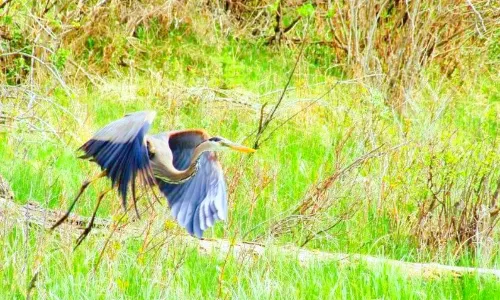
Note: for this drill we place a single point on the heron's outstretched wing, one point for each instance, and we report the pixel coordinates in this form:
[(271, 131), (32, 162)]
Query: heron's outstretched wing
[(120, 149), (202, 200)]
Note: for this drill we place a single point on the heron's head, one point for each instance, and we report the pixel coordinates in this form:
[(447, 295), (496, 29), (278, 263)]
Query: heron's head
[(219, 144)]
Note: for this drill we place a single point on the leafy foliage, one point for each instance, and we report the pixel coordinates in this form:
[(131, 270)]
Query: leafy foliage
[(400, 164)]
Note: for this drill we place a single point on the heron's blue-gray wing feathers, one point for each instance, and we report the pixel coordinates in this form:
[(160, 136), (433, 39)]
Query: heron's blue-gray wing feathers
[(202, 200), (120, 149)]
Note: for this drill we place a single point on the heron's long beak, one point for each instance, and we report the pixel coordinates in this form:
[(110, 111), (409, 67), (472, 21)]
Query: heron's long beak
[(240, 148)]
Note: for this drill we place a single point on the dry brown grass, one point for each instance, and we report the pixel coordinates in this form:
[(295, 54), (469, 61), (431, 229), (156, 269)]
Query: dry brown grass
[(399, 39), (396, 38), (460, 212)]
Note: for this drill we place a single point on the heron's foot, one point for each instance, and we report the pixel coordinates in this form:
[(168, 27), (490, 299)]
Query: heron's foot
[(87, 230), (82, 236)]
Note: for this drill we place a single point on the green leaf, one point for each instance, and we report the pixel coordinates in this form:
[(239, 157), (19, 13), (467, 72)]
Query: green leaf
[(7, 20), (306, 10), (330, 13)]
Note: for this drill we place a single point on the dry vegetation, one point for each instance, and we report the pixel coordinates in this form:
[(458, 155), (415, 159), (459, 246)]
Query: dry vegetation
[(377, 121)]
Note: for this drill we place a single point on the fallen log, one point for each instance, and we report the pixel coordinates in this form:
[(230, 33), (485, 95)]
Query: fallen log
[(32, 213)]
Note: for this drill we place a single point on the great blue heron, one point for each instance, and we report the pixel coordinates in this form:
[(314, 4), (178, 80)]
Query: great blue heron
[(183, 164)]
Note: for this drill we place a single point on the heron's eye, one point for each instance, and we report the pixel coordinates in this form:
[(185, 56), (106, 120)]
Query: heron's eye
[(215, 139)]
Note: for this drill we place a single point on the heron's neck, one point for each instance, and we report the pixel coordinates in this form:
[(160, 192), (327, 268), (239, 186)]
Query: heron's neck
[(184, 175)]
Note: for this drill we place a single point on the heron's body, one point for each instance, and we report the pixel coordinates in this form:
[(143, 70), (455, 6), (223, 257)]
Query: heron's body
[(183, 164), (162, 161)]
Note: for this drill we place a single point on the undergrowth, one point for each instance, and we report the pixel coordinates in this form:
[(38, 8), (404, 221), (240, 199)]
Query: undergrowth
[(343, 170)]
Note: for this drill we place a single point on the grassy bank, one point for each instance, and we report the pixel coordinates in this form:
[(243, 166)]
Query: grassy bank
[(348, 172)]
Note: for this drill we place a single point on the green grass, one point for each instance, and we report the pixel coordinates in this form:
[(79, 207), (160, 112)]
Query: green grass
[(459, 137), (186, 273)]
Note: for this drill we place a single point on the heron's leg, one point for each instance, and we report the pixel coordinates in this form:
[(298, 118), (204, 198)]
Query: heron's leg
[(87, 229), (82, 189)]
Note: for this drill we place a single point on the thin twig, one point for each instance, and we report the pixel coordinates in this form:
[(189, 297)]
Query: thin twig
[(270, 117), (314, 102)]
